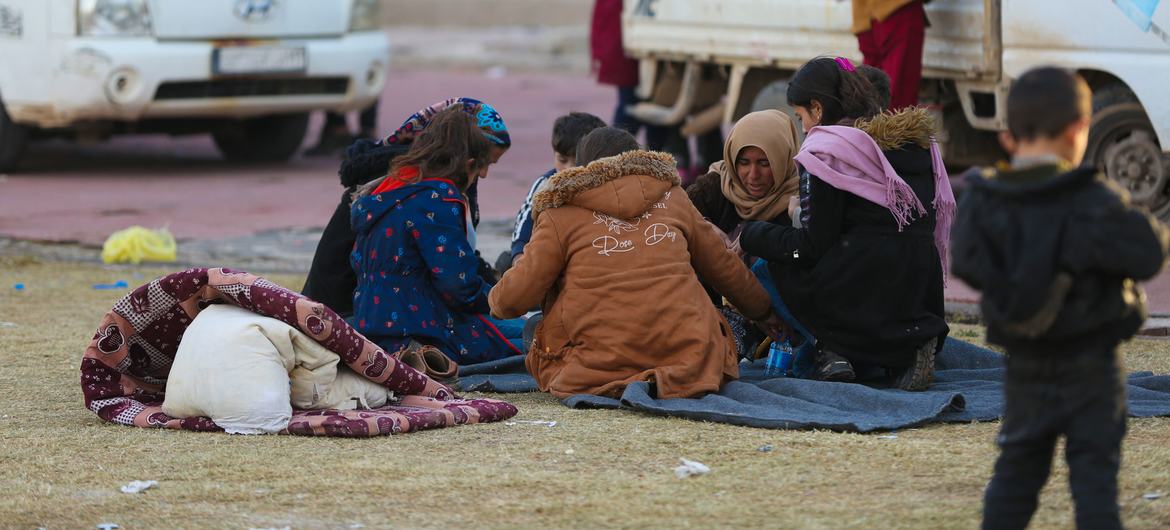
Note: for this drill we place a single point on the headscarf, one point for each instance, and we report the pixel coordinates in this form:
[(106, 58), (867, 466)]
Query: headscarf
[(486, 118), (773, 132)]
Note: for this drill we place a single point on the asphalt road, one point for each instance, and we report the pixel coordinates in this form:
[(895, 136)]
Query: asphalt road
[(256, 214)]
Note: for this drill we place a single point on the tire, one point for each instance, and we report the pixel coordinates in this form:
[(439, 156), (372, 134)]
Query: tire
[(1123, 144), (265, 139), (13, 138), (774, 95)]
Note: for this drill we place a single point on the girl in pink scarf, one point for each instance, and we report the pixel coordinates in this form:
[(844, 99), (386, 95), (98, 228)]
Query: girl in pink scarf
[(864, 272)]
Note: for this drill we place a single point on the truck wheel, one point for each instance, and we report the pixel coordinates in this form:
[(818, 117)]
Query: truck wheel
[(1123, 144), (13, 138), (266, 139), (774, 95)]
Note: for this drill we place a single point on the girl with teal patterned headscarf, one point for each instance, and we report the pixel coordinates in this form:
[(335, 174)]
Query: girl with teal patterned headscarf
[(486, 118)]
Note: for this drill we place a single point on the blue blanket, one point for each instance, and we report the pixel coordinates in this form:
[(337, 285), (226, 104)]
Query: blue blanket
[(968, 387)]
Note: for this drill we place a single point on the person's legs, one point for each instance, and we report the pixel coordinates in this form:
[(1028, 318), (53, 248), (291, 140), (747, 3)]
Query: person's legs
[(870, 53), (677, 145), (621, 118), (656, 137), (335, 121), (900, 39), (710, 148), (1027, 440), (512, 328), (334, 136), (368, 121), (804, 361), (1093, 447)]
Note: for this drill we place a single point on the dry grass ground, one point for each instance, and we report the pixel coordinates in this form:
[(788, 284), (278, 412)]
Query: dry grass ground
[(60, 467)]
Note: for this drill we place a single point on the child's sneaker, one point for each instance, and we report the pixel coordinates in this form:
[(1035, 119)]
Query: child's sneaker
[(833, 367), (920, 375)]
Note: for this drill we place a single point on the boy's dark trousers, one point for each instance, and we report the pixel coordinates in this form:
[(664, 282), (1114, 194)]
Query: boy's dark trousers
[(1080, 397)]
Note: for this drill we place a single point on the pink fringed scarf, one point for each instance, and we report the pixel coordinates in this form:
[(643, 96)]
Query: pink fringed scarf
[(850, 160)]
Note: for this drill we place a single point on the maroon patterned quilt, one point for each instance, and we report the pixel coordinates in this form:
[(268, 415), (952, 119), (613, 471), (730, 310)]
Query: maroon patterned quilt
[(124, 370)]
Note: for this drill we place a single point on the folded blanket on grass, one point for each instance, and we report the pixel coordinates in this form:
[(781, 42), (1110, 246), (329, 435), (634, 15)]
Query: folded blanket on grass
[(124, 369), (968, 387)]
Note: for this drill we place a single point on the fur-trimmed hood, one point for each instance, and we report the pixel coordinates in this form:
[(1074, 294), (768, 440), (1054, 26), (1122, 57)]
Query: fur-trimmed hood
[(622, 186), (892, 130)]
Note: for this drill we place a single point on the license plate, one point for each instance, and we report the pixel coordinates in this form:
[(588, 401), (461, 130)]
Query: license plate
[(258, 60)]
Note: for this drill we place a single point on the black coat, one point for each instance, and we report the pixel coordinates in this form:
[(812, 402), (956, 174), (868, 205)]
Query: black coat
[(865, 290), (707, 196), (1056, 254)]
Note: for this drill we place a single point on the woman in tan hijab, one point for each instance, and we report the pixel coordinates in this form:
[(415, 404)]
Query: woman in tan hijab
[(757, 177), (755, 181)]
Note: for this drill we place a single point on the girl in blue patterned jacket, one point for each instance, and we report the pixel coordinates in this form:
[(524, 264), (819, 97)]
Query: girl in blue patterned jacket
[(416, 270)]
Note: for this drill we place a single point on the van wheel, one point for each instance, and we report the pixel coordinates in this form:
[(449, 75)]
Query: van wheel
[(13, 138), (774, 95), (265, 139), (1123, 144)]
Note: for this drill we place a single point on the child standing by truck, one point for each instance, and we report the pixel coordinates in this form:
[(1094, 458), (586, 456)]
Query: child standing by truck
[(1056, 250)]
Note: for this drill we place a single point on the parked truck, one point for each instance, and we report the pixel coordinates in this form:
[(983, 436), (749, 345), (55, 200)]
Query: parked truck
[(974, 49), (246, 71)]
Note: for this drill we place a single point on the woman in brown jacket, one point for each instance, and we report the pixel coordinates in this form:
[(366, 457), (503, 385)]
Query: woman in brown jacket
[(613, 257)]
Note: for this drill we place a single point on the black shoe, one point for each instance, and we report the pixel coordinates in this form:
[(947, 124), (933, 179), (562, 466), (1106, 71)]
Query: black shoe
[(919, 375), (504, 262), (529, 333), (834, 368)]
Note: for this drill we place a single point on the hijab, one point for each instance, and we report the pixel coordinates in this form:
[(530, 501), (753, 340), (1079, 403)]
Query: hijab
[(486, 118), (773, 132)]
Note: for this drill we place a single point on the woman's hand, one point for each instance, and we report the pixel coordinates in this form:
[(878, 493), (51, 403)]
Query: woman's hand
[(774, 327), (732, 245), (737, 249)]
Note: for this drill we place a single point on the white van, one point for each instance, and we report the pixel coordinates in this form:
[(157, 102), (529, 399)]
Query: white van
[(246, 71), (974, 48)]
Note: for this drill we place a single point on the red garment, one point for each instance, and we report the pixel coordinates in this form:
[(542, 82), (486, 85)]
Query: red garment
[(895, 45), (397, 180), (605, 43)]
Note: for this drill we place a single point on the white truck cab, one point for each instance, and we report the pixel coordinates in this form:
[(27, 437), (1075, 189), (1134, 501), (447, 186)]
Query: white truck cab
[(246, 71), (974, 49)]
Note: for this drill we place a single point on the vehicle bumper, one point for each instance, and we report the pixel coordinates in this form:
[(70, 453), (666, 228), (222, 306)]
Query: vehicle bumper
[(134, 79)]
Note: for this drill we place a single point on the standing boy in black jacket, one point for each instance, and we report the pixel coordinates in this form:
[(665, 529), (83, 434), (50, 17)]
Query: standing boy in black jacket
[(1056, 250)]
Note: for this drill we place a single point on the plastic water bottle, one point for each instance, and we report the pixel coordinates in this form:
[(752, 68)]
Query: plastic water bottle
[(779, 361)]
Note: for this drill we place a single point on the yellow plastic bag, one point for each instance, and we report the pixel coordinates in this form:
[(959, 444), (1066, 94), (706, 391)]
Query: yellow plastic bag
[(137, 244)]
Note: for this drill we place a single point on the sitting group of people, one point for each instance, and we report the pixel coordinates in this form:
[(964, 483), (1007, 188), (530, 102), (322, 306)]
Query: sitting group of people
[(626, 276), (633, 278)]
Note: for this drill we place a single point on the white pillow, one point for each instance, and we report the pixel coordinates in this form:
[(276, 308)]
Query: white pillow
[(347, 390), (247, 372), (228, 369)]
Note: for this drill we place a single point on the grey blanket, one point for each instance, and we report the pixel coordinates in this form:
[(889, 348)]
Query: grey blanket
[(968, 387)]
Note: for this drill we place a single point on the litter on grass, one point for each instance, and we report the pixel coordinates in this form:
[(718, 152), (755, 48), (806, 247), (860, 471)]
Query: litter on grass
[(546, 423), (766, 448), (1153, 496), (120, 284), (689, 468), (7, 324), (888, 437), (139, 486), (107, 526), (137, 244)]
